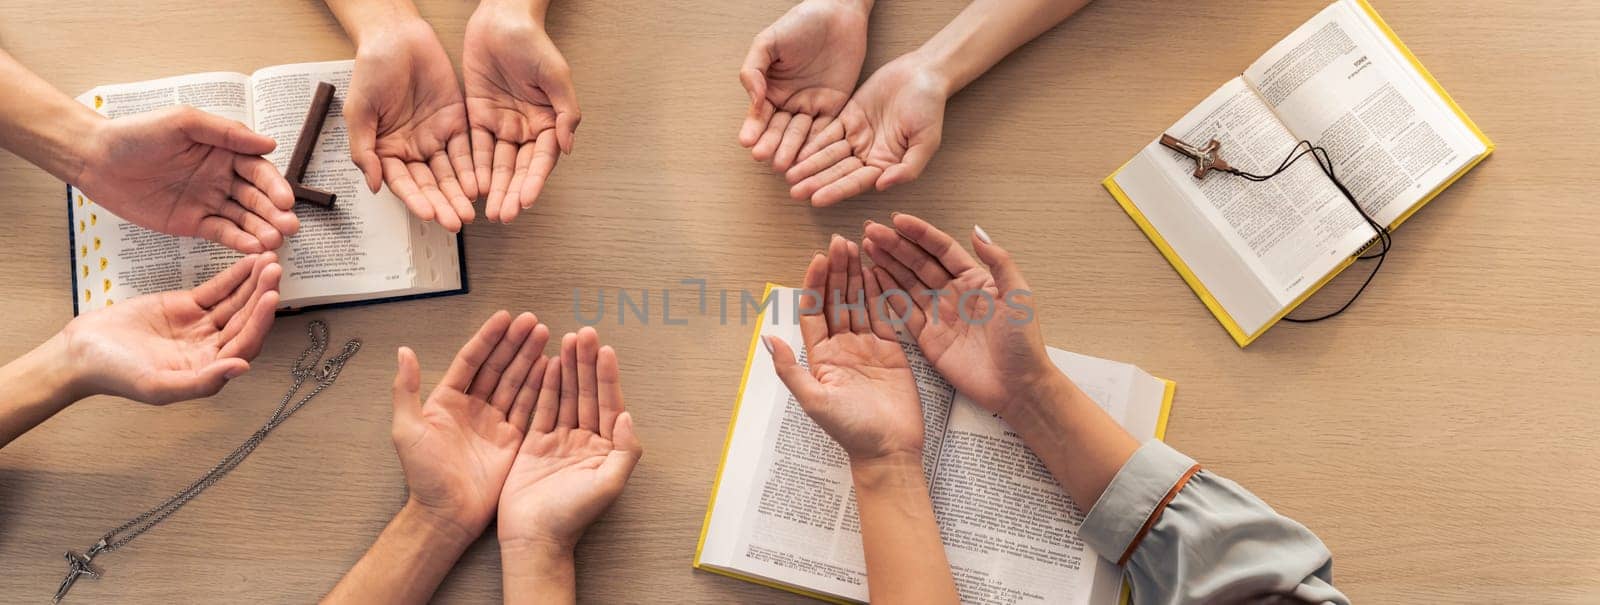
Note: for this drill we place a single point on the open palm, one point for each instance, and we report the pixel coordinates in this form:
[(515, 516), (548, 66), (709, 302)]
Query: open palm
[(579, 451), (172, 346), (408, 124), (979, 332), (521, 104), (885, 136), (799, 72), (186, 172), (458, 446), (859, 386)]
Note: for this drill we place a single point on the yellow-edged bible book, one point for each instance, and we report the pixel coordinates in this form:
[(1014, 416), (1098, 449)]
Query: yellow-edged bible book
[(783, 512), (1252, 251)]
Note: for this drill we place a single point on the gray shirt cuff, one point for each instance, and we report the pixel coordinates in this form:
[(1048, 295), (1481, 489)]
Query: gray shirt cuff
[(1133, 498)]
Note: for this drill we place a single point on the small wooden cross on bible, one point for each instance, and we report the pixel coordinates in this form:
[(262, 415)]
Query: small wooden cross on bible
[(1206, 158), (77, 565), (301, 156)]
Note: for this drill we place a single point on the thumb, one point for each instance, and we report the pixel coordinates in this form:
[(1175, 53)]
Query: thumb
[(620, 462), (912, 163), (753, 74), (800, 381), (362, 125), (1006, 275), (170, 386), (218, 131), (565, 100), (407, 388)]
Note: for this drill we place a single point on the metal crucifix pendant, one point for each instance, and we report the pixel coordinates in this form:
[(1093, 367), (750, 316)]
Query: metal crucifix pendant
[(78, 565), (1206, 157)]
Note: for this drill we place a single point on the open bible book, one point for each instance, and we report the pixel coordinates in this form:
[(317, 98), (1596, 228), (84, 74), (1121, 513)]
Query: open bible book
[(1254, 251), (783, 511), (366, 248)]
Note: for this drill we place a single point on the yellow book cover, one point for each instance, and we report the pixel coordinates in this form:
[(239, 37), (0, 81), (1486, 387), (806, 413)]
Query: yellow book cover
[(1344, 71)]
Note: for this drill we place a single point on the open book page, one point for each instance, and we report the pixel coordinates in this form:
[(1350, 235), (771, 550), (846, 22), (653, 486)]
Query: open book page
[(361, 246), (1255, 246), (1010, 531), (115, 259), (1339, 82), (785, 507)]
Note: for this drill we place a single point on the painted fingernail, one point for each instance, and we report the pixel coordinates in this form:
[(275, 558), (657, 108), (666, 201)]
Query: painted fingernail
[(767, 340), (983, 235)]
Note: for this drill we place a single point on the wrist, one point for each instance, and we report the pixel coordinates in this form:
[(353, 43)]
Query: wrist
[(51, 366), (434, 529), (863, 6), (937, 71), (369, 19), (1040, 401), (891, 471), (68, 141), (535, 550), (536, 9)]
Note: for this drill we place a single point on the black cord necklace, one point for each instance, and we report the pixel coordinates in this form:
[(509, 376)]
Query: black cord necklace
[(1207, 158)]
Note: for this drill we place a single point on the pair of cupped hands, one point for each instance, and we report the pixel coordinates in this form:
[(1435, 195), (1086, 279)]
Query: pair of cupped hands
[(543, 442), (830, 139), (974, 322), (438, 142)]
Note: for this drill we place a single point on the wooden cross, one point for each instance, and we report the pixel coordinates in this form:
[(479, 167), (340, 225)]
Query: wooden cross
[(77, 565), (1206, 158), (301, 156)]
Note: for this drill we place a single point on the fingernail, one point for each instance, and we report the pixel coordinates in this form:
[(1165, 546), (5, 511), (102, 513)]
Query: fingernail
[(234, 373), (865, 224), (767, 340), (983, 235), (893, 214), (816, 253)]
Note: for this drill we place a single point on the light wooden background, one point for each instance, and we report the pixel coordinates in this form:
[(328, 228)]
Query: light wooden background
[(1439, 436)]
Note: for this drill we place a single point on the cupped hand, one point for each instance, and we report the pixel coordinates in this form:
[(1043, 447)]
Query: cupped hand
[(187, 172), (859, 386), (458, 446), (173, 346), (408, 123), (799, 72), (521, 105), (578, 453), (975, 323), (885, 136)]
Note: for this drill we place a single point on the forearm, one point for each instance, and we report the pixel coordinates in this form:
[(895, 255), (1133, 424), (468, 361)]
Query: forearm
[(35, 387), (538, 573), (1077, 440), (406, 563), (985, 32), (41, 124), (905, 557), (362, 19)]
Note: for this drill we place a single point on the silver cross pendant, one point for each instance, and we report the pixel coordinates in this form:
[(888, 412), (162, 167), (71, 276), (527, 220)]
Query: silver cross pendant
[(78, 565)]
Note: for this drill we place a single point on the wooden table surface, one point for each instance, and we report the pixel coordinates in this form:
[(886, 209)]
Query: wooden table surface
[(1439, 436)]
